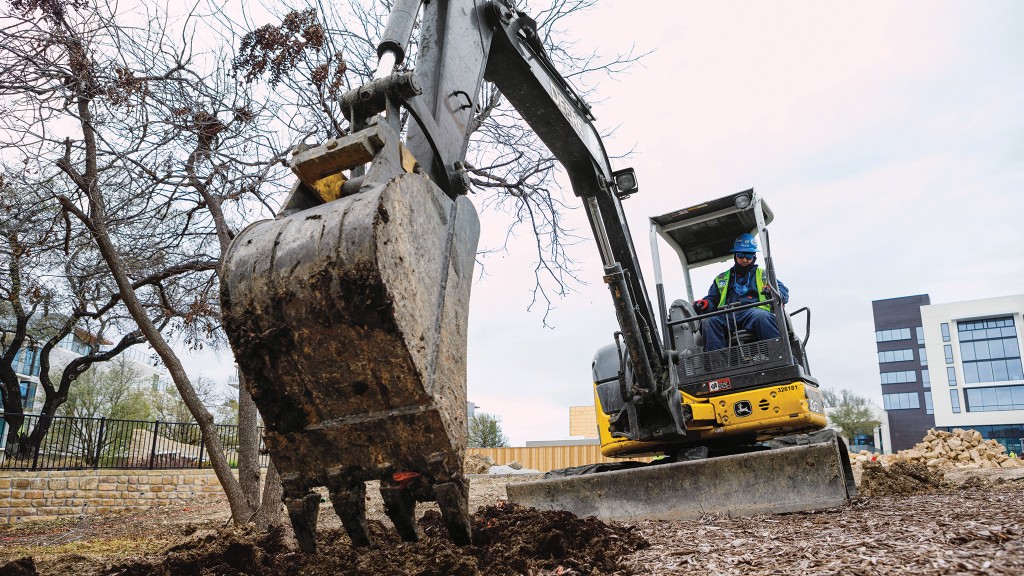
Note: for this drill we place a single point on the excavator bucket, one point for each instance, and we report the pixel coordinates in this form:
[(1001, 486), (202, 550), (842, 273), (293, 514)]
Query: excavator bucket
[(348, 321), (803, 472)]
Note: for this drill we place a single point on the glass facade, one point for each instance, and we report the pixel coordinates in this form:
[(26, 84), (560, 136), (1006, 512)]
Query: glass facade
[(26, 361), (954, 400), (895, 356), (920, 334), (994, 398), (990, 350), (928, 408), (28, 396), (891, 335), (923, 355), (899, 377), (951, 375), (926, 378), (902, 401), (945, 332), (77, 345)]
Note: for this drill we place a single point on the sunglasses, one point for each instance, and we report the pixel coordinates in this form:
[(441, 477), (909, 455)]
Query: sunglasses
[(745, 255)]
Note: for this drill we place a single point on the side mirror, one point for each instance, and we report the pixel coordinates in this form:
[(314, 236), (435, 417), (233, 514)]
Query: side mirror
[(625, 183)]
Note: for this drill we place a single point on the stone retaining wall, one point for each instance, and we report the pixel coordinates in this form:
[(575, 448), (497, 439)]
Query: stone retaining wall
[(50, 494)]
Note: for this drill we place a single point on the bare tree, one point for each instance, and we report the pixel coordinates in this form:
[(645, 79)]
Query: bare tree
[(155, 151), (49, 292), (319, 50)]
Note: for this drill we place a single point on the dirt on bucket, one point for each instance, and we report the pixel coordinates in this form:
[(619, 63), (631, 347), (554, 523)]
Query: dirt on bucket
[(507, 540)]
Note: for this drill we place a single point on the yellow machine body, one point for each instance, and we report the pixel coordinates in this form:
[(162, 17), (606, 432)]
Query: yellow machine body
[(776, 410)]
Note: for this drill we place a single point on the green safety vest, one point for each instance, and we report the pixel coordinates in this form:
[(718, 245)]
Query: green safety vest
[(722, 280)]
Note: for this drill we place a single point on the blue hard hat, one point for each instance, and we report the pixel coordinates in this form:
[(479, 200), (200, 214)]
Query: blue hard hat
[(744, 243)]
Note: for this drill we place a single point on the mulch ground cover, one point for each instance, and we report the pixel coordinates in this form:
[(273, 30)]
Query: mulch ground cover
[(911, 522)]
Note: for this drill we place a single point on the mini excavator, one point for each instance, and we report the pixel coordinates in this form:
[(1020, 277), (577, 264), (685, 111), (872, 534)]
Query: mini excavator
[(348, 312)]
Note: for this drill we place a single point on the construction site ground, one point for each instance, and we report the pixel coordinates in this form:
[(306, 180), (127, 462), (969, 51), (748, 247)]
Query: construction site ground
[(970, 522)]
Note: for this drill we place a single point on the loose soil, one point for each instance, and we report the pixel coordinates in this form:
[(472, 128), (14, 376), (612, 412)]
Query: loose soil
[(973, 525)]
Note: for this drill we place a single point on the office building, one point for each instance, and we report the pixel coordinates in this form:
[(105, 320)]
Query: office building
[(973, 348)]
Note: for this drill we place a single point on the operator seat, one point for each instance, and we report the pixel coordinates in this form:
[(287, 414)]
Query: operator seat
[(686, 337)]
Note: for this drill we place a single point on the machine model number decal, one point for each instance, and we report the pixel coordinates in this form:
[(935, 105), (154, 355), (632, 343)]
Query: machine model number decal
[(718, 385), (789, 388)]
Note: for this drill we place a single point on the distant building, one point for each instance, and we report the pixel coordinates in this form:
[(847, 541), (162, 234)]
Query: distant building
[(974, 348), (582, 422), (903, 369)]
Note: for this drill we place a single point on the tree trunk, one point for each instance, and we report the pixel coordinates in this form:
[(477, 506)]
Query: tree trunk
[(248, 445), (270, 512), (95, 221)]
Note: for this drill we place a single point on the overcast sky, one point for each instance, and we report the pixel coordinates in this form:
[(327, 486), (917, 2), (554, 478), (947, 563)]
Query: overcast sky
[(888, 138)]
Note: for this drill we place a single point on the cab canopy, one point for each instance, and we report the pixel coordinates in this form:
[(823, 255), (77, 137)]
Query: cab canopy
[(704, 234)]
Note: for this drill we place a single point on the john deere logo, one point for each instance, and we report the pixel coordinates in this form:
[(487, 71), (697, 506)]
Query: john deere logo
[(742, 408)]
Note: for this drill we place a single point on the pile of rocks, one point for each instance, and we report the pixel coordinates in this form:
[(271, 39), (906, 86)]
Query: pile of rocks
[(956, 449), (477, 464)]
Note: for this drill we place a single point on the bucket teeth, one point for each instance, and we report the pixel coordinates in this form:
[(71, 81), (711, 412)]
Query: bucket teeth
[(400, 505), (349, 500), (453, 500), (302, 511)]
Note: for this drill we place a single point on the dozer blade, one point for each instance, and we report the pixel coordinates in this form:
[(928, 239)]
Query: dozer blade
[(348, 322), (788, 479)]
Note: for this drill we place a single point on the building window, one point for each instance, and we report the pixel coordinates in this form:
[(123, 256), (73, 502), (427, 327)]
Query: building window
[(945, 332), (904, 401), (920, 334), (948, 349), (899, 377), (951, 375), (26, 361), (990, 351), (891, 335), (954, 400), (926, 379), (923, 354), (28, 395), (994, 399), (928, 408), (895, 356)]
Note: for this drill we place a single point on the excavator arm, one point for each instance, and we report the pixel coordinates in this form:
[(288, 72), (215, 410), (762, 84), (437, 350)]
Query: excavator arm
[(503, 46)]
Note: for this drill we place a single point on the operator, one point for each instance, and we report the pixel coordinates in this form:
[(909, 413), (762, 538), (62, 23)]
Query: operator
[(745, 282)]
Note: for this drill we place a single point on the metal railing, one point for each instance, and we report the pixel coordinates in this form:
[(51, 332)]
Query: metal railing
[(94, 443)]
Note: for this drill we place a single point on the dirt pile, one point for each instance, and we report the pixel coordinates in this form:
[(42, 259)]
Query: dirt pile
[(19, 567), (507, 540), (901, 477)]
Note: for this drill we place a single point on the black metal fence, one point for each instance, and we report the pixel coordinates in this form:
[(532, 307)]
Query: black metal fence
[(94, 443)]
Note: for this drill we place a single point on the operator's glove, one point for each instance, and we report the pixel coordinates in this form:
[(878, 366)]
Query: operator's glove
[(701, 306), (767, 290)]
